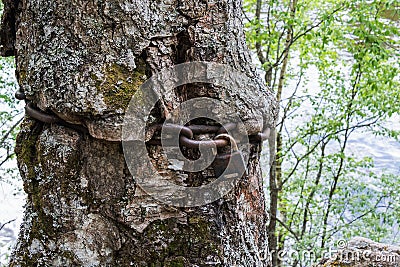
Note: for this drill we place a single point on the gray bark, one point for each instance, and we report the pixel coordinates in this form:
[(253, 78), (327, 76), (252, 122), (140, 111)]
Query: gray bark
[(83, 60)]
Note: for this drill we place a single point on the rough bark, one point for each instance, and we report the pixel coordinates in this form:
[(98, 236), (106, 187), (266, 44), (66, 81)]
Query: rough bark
[(83, 60)]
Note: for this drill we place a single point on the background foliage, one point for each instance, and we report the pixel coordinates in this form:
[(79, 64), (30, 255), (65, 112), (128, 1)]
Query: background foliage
[(10, 185), (10, 116), (334, 68)]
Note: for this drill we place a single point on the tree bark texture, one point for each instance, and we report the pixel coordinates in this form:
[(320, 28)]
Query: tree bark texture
[(83, 60)]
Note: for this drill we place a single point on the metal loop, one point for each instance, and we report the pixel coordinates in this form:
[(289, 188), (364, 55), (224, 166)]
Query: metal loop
[(260, 137), (40, 115), (227, 128), (20, 95), (186, 131), (231, 141), (205, 143), (201, 129)]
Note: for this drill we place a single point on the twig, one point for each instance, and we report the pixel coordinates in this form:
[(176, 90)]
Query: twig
[(10, 221), (3, 139)]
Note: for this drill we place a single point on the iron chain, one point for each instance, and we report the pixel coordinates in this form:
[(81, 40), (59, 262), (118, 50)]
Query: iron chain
[(186, 133)]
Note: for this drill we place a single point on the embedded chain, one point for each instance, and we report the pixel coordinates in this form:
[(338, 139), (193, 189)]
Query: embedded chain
[(186, 133)]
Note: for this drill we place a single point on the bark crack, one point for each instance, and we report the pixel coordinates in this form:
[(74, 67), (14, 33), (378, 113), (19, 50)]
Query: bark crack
[(9, 26)]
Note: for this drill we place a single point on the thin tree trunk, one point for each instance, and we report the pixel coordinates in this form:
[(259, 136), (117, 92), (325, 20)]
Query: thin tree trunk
[(83, 60), (277, 237)]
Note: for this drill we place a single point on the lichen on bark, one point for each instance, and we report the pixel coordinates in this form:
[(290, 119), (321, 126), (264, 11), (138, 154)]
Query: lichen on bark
[(118, 84)]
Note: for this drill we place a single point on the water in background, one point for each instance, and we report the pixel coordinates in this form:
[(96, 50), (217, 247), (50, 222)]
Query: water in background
[(384, 151)]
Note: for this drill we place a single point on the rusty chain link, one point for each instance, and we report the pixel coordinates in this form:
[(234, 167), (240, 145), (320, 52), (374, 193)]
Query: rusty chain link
[(44, 117), (186, 133)]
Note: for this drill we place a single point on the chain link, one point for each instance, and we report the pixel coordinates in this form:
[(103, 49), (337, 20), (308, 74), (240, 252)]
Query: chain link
[(186, 133), (44, 117)]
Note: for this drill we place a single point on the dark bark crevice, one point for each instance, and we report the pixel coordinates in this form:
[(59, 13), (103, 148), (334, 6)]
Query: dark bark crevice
[(9, 26)]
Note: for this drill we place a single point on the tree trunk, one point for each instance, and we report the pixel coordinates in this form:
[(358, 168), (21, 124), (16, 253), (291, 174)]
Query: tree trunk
[(83, 61)]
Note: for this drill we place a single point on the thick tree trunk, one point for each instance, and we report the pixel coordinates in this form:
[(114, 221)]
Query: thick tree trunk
[(83, 60)]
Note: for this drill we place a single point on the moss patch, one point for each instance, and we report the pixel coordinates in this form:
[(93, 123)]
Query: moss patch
[(27, 152), (26, 149), (170, 243), (183, 243), (176, 262), (391, 14), (119, 84)]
